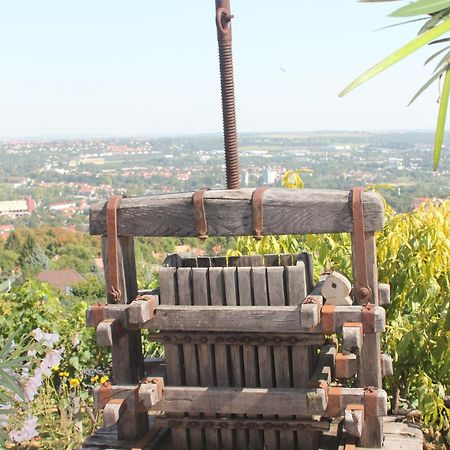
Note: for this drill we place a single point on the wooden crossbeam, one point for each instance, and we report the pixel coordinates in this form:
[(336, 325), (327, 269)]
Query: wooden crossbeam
[(280, 401), (268, 319), (229, 213)]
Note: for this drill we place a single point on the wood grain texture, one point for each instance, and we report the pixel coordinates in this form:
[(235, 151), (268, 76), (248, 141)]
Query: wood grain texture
[(221, 352), (369, 369), (247, 401), (229, 213), (173, 353)]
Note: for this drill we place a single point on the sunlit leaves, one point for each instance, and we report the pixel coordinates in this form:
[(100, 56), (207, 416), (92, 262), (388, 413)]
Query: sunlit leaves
[(440, 127), (421, 7), (398, 55)]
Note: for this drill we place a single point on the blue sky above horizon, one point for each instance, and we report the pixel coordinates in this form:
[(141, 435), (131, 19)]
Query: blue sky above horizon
[(116, 68)]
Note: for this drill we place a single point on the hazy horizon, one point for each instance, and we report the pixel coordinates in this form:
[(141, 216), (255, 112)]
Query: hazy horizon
[(104, 68)]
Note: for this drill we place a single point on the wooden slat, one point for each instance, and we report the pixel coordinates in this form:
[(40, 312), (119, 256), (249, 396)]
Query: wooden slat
[(249, 351), (200, 285), (173, 353), (221, 354), (248, 401), (265, 352), (236, 373), (283, 379), (229, 213), (192, 377)]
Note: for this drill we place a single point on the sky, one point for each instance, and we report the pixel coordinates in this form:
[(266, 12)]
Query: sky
[(150, 67)]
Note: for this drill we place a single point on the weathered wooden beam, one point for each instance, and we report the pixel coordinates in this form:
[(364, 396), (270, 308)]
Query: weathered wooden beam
[(346, 365), (336, 289), (260, 339), (352, 337), (248, 319), (149, 393), (325, 366), (196, 400), (387, 369), (229, 213), (354, 420), (280, 401), (384, 294), (229, 423)]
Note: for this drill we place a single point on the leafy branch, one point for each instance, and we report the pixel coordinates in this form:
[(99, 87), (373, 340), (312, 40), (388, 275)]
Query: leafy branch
[(437, 24)]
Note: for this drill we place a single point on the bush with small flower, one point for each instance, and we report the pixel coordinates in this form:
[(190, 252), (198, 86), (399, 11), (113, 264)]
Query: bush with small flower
[(49, 363)]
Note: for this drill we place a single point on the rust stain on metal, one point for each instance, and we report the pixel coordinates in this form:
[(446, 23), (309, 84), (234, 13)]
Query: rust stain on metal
[(363, 290), (224, 37), (257, 211), (112, 249)]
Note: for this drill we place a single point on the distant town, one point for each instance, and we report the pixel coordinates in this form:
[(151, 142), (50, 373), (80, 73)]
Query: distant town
[(54, 182)]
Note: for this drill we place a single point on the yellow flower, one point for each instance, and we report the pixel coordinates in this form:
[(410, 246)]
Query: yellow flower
[(94, 379), (104, 379), (74, 382), (63, 374), (55, 368)]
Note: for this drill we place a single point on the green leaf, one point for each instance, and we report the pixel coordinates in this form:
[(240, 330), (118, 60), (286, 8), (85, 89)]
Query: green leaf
[(442, 62), (433, 21), (440, 127), (434, 55), (427, 85), (398, 55), (421, 7), (420, 19)]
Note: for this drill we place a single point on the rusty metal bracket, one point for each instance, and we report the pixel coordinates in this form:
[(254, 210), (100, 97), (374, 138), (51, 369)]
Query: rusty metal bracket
[(257, 211), (363, 290), (334, 406), (327, 318), (112, 248), (368, 315), (198, 199), (98, 314), (371, 401)]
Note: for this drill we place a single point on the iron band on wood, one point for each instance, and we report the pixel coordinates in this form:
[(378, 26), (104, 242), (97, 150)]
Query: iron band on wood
[(257, 211), (245, 319), (286, 211), (200, 214), (112, 248)]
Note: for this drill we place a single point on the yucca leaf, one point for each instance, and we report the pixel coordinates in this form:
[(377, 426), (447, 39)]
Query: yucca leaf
[(421, 7), (399, 54), (434, 55), (443, 61), (442, 116), (433, 21), (427, 85), (440, 41), (420, 19)]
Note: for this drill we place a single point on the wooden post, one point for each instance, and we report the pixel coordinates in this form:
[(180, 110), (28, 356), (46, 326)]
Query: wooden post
[(127, 358), (369, 370)]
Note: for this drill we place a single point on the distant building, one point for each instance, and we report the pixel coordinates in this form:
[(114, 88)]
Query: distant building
[(5, 230), (17, 208), (270, 176), (63, 280), (64, 206)]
